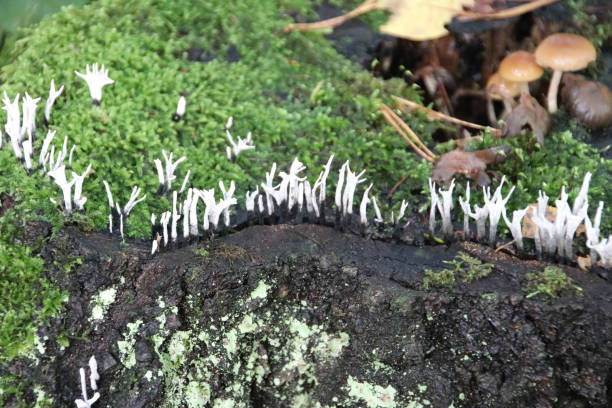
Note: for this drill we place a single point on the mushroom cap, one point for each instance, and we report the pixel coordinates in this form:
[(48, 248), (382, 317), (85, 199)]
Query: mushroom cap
[(520, 66), (590, 102), (500, 88), (565, 52)]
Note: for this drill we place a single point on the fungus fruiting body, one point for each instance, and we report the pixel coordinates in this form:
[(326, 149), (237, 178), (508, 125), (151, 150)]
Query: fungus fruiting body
[(588, 101), (500, 89), (520, 67), (563, 52), (96, 78)]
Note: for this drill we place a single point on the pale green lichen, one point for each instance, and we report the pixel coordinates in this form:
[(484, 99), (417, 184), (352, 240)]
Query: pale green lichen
[(373, 395), (101, 303), (127, 345), (261, 291)]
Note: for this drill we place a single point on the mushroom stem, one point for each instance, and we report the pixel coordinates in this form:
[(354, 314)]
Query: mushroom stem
[(553, 90), (525, 88), (491, 111)]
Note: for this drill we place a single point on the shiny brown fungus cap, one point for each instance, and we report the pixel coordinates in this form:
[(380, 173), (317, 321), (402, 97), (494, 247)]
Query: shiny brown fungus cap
[(563, 52)]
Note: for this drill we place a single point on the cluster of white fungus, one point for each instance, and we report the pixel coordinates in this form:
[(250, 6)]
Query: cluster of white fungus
[(94, 377), (293, 197)]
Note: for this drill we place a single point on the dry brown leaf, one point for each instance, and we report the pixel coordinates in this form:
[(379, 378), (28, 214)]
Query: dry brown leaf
[(527, 114), (584, 263)]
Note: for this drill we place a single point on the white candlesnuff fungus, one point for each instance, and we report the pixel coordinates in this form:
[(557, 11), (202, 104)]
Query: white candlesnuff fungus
[(193, 212), (582, 197), (185, 181), (480, 214), (432, 206), (229, 123), (234, 149), (300, 196), (268, 187), (53, 95), (185, 213), (339, 187), (127, 209), (165, 174), (378, 216), (133, 200), (44, 151), (79, 200), (310, 198), (515, 226), (96, 78), (72, 149), (175, 218), (85, 401), (402, 211), (363, 207), (250, 200), (59, 176), (495, 206), (592, 231), (180, 109), (572, 223), (604, 250), (28, 123), (320, 183), (352, 180), (445, 205), (27, 153), (164, 220), (464, 203), (290, 182), (213, 210), (227, 196), (13, 123)]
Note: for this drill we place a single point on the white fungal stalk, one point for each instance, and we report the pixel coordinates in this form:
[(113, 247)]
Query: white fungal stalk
[(592, 231), (59, 176), (339, 187), (515, 226), (180, 108), (193, 212), (165, 173), (53, 95), (464, 203), (185, 213), (13, 124), (96, 78), (28, 125), (321, 182), (402, 211), (164, 220), (363, 207), (290, 183), (604, 250), (352, 180), (27, 153), (432, 206), (85, 401), (250, 200), (235, 148), (495, 206), (378, 216), (79, 200), (227, 196), (445, 206)]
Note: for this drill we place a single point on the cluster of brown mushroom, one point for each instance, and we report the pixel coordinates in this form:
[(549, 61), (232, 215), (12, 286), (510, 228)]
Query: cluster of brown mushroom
[(589, 102)]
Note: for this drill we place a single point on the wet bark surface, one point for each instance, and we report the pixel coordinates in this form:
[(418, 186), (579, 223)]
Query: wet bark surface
[(300, 315)]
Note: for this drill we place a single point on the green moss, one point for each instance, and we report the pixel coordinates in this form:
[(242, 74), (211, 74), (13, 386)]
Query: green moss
[(463, 268), (25, 298), (550, 281)]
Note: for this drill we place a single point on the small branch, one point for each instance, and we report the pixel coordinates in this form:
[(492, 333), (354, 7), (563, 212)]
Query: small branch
[(363, 8)]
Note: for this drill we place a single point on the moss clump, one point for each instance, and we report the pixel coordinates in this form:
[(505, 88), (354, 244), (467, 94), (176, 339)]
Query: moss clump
[(25, 297), (463, 268), (550, 281)]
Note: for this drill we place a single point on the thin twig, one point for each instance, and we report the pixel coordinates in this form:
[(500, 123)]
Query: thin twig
[(413, 139), (507, 13), (432, 114), (363, 8)]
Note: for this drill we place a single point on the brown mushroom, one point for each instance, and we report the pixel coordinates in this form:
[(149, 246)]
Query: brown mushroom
[(588, 101), (521, 67), (500, 89), (563, 52)]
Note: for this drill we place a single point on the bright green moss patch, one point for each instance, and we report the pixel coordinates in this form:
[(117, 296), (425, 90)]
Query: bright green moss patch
[(464, 268), (25, 298), (292, 91), (550, 281)]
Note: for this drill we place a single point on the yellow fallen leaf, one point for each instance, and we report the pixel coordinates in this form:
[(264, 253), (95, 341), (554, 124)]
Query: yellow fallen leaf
[(420, 20)]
